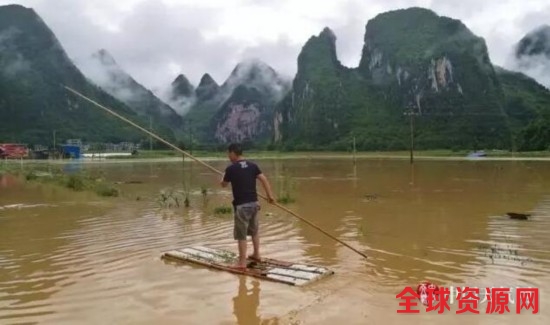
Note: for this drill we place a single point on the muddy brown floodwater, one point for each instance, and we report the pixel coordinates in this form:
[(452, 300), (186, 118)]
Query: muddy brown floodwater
[(69, 258)]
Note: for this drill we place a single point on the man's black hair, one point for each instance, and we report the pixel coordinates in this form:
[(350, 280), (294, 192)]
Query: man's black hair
[(235, 148)]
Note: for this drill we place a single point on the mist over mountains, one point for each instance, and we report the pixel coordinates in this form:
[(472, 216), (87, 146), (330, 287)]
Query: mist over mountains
[(104, 71), (412, 61), (532, 55)]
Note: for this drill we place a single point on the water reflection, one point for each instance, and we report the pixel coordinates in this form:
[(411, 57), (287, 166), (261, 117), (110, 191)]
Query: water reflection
[(8, 181), (247, 302), (412, 174), (73, 167)]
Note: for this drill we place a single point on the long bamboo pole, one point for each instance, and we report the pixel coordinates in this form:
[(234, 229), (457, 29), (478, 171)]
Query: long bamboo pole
[(185, 153)]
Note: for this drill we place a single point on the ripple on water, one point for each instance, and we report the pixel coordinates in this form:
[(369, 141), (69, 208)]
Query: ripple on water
[(117, 255)]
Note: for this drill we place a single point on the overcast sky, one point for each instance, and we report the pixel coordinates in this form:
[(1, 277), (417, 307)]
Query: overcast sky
[(154, 40)]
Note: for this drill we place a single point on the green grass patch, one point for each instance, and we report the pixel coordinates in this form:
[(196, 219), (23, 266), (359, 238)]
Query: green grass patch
[(223, 210), (31, 176), (75, 182)]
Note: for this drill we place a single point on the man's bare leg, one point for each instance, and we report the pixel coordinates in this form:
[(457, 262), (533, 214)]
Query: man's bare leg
[(242, 253), (256, 243)]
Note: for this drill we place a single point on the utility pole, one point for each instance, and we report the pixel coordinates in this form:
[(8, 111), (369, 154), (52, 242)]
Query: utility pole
[(151, 130), (54, 145), (411, 114), (190, 136), (354, 151), (411, 118)]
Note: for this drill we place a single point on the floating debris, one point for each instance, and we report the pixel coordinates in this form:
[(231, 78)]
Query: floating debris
[(370, 198), (518, 216)]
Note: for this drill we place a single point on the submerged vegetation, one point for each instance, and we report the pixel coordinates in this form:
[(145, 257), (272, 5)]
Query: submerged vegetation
[(47, 174), (186, 184), (285, 189), (223, 210), (169, 199), (228, 257), (204, 193), (286, 199), (105, 190)]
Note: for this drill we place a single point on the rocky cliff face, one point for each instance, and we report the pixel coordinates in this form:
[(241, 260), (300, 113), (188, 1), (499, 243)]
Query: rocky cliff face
[(241, 109), (244, 117), (427, 57), (313, 108), (412, 60), (240, 123), (247, 114)]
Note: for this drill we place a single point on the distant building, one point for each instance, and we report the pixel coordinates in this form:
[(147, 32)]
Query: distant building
[(13, 150), (40, 152), (105, 147), (74, 142), (39, 147), (71, 151), (120, 147)]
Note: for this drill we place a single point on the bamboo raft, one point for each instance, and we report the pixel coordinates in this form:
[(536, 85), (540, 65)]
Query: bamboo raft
[(296, 274)]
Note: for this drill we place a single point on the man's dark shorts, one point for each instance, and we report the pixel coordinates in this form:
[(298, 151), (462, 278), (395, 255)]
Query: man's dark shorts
[(246, 220)]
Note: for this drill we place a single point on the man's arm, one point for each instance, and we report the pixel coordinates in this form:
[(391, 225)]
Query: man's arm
[(267, 188), (226, 179), (224, 182)]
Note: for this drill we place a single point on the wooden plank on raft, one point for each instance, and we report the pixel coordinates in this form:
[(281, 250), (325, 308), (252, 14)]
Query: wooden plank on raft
[(296, 274)]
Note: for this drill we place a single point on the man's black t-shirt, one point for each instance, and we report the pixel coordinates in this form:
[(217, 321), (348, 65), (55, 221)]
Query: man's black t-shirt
[(242, 176)]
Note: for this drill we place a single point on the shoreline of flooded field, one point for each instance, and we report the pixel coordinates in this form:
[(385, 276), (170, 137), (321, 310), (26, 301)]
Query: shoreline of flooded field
[(217, 157)]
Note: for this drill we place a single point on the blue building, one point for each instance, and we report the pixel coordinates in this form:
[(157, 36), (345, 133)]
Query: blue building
[(71, 151)]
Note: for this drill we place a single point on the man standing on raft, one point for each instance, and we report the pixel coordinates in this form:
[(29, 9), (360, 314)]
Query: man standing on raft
[(242, 175)]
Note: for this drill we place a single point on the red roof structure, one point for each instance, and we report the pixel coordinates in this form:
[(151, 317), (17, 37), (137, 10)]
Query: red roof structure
[(13, 150)]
